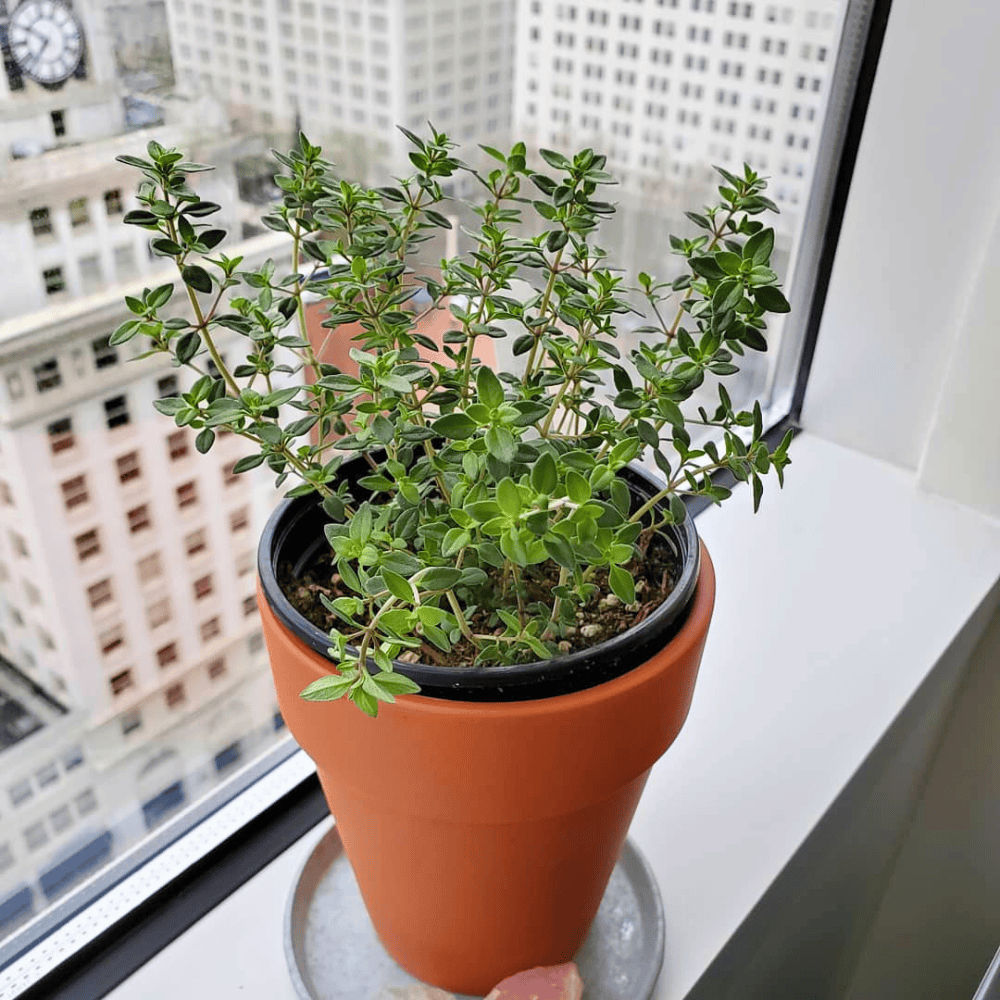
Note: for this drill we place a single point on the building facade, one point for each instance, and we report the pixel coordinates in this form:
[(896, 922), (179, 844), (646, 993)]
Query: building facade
[(348, 73)]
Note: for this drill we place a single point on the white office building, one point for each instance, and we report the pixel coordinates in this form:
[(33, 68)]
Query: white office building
[(669, 87), (350, 72)]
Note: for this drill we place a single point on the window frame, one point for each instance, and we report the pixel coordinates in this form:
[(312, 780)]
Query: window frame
[(245, 823)]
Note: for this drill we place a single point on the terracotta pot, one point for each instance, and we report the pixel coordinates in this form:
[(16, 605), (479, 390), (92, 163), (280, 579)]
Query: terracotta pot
[(483, 834)]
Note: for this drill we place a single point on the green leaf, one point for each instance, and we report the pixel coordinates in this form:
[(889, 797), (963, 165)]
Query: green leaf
[(171, 405), (399, 587), (488, 388), (248, 462), (554, 159), (513, 548), (544, 476), (577, 488), (758, 491), (204, 441), (622, 584), (395, 683), (455, 426), (509, 497), (368, 703), (328, 688), (759, 247), (441, 577), (501, 444), (769, 298), (560, 550), (197, 278)]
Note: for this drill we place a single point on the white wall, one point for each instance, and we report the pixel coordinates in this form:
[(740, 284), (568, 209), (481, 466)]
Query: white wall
[(916, 228)]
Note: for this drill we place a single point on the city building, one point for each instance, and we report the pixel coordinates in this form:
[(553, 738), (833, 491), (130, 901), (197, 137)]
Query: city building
[(126, 559), (670, 87), (349, 74)]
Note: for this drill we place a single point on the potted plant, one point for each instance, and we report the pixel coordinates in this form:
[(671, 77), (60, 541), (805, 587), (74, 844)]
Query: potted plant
[(474, 557)]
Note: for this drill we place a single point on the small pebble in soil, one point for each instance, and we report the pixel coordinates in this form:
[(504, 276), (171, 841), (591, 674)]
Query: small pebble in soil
[(591, 631)]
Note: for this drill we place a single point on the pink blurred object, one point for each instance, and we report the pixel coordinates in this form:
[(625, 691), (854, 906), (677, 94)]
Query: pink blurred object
[(420, 992), (553, 982)]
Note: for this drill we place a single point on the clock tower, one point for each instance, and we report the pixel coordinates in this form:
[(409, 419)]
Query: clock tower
[(58, 84)]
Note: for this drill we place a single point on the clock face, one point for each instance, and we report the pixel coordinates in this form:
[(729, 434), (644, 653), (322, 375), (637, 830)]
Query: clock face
[(46, 40)]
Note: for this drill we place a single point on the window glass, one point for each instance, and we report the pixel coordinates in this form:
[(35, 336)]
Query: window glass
[(135, 610)]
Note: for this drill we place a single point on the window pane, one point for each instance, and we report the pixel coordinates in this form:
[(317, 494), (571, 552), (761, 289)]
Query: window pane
[(149, 574)]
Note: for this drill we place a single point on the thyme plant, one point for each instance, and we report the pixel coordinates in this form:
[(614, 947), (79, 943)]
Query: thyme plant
[(478, 481)]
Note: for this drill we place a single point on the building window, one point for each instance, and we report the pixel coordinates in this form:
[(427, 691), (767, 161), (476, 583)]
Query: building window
[(139, 519), (61, 435), (244, 563), (124, 257), (229, 477), (166, 655), (120, 683), (158, 613), (150, 568), (166, 386), (20, 792), (104, 354), (75, 492), (113, 202), (58, 123), (18, 544), (210, 629), (176, 695), (112, 640), (90, 274), (47, 375), (249, 606), (129, 467), (78, 212), (131, 721), (216, 669), (255, 643), (100, 593), (195, 542), (88, 544), (116, 411), (203, 586), (178, 445), (239, 520), (41, 222), (35, 836), (61, 819), (187, 495), (6, 497)]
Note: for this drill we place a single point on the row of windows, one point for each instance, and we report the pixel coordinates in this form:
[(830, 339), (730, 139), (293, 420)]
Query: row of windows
[(91, 277), (175, 695), (36, 836), (113, 640), (79, 212), (813, 19), (45, 777)]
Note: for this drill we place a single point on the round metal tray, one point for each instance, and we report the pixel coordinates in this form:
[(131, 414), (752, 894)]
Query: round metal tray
[(333, 952)]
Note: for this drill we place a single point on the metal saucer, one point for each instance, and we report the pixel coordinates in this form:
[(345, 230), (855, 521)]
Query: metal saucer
[(333, 952)]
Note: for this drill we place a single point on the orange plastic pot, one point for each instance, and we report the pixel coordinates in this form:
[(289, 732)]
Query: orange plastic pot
[(483, 835)]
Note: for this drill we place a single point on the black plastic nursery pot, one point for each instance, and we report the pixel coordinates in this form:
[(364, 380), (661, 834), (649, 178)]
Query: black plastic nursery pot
[(294, 536)]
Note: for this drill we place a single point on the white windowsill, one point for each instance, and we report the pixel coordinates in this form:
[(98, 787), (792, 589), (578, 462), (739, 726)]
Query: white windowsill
[(833, 605)]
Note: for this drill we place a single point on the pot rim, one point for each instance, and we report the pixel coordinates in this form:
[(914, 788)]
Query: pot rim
[(502, 682)]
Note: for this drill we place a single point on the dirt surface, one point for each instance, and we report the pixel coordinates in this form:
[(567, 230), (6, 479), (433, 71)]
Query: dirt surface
[(655, 577)]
